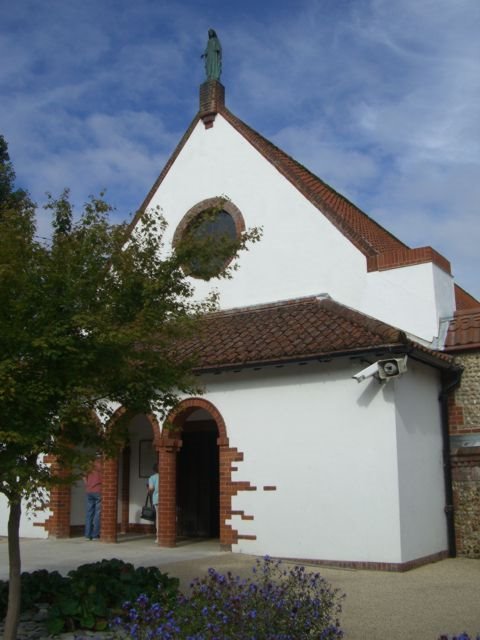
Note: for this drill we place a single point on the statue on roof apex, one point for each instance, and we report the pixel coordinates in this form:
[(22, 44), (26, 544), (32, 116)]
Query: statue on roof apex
[(213, 56)]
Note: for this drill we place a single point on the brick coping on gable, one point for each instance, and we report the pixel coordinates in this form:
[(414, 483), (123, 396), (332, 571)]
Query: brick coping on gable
[(382, 249)]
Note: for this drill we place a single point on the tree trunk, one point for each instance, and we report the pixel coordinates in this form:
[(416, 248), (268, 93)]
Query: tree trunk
[(14, 584)]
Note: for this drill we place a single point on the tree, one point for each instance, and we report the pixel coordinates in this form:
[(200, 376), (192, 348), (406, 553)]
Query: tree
[(88, 321)]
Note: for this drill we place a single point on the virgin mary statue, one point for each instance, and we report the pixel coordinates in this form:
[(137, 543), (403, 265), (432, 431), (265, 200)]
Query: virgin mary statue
[(213, 56)]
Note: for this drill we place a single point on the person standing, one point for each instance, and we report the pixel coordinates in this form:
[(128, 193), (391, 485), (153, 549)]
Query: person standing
[(153, 486), (93, 492)]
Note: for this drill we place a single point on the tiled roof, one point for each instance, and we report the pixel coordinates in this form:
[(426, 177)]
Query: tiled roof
[(464, 331), (463, 300), (294, 330)]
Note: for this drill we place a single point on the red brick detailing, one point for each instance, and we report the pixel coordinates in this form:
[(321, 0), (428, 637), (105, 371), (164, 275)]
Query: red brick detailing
[(208, 120), (246, 537), (455, 416), (212, 98), (367, 235), (269, 488), (242, 515), (167, 516), (170, 443), (373, 566), (404, 257), (58, 523), (108, 526), (216, 203)]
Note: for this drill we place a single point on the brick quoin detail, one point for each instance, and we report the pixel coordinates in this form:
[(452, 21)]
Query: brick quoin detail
[(58, 524), (169, 446)]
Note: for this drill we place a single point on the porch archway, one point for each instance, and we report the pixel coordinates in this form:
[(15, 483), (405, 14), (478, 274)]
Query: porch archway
[(175, 434)]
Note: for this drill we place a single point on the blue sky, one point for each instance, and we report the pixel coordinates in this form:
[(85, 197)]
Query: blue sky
[(380, 98)]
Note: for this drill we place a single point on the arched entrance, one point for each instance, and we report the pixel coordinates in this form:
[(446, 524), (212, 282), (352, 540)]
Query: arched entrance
[(195, 463), (198, 484)]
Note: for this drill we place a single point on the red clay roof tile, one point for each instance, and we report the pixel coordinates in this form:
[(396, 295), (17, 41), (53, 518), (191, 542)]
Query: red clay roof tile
[(293, 330), (464, 331)]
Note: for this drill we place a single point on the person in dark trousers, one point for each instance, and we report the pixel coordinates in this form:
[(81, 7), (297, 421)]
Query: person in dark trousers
[(93, 492)]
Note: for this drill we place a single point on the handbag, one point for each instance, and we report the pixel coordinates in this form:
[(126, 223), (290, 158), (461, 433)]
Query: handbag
[(148, 510)]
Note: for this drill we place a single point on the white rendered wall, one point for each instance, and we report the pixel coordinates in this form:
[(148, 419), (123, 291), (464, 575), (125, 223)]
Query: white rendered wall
[(412, 298), (139, 429), (421, 474), (301, 253), (328, 445), (27, 521)]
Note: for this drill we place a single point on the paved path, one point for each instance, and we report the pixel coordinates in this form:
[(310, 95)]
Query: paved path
[(443, 597)]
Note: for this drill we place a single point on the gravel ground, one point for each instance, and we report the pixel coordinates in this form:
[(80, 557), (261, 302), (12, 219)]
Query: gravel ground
[(443, 597)]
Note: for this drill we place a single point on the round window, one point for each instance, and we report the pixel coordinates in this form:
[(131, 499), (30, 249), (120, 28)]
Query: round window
[(208, 236)]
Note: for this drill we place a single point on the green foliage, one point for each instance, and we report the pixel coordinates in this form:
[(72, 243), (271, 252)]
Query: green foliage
[(91, 594), (210, 242), (97, 591), (89, 321), (40, 586), (93, 314)]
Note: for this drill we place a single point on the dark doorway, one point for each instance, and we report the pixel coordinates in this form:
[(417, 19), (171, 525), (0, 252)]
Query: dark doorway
[(198, 496)]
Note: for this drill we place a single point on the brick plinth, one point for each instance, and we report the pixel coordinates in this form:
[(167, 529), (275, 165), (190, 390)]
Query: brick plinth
[(212, 99)]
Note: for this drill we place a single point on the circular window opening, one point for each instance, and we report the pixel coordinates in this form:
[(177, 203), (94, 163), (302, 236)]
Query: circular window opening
[(208, 237)]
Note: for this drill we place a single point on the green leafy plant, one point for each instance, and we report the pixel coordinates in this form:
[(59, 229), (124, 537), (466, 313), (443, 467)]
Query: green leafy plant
[(89, 320), (95, 592), (37, 587), (91, 594)]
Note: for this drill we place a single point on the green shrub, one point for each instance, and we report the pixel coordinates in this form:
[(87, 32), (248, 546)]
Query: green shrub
[(37, 587), (90, 595), (95, 592)]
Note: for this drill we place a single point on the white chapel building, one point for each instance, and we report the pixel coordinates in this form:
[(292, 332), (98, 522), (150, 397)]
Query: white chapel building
[(322, 432)]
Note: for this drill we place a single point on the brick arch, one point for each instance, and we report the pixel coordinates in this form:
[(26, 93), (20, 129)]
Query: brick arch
[(60, 503), (182, 411), (205, 205), (109, 520), (170, 445)]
